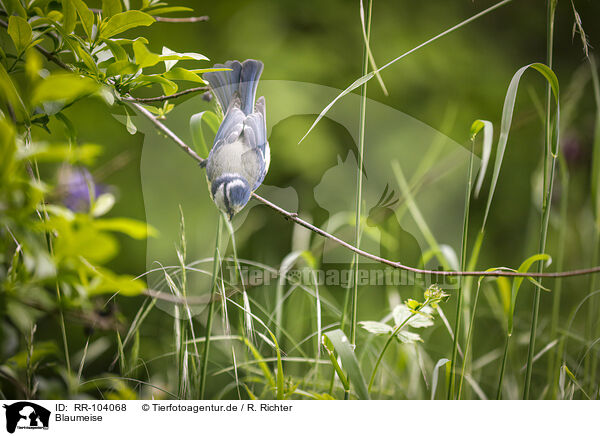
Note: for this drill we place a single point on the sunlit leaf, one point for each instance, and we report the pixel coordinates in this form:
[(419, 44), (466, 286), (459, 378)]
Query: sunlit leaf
[(84, 153), (123, 21), (168, 86), (69, 16), (402, 313), (20, 32), (168, 10), (130, 227), (183, 74), (85, 15), (63, 87), (143, 56), (116, 49), (103, 204), (517, 285), (377, 328), (121, 68)]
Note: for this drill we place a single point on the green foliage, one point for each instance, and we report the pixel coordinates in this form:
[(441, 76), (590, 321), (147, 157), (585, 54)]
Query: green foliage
[(58, 233)]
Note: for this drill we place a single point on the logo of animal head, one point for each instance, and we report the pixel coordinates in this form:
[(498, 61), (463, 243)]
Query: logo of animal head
[(26, 415)]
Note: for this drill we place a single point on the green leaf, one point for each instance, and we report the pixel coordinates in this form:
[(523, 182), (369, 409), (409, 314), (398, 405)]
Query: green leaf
[(130, 227), (63, 87), (171, 57), (434, 378), (167, 86), (116, 49), (14, 7), (103, 204), (143, 56), (517, 285), (345, 351), (507, 114), (69, 16), (124, 21), (183, 74), (168, 10), (106, 281), (85, 57), (85, 15), (376, 327), (111, 7), (131, 128), (10, 93), (85, 153), (121, 68), (20, 32), (488, 136), (212, 121)]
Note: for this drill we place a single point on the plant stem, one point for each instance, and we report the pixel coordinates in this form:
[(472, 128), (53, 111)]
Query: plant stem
[(554, 357), (502, 368), (549, 161), (359, 178), (463, 261), (211, 310), (389, 341)]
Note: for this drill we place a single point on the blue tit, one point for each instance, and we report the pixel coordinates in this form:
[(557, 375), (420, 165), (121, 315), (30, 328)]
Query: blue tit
[(240, 156)]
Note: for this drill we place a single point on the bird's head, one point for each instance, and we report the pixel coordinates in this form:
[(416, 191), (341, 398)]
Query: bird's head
[(230, 193)]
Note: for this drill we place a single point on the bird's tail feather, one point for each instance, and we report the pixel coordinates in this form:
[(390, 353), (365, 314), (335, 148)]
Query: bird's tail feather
[(243, 78)]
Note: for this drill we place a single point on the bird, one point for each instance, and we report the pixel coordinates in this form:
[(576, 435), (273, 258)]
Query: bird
[(240, 156)]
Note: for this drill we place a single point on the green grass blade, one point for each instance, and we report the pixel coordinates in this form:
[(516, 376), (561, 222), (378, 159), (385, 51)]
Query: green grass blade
[(507, 114), (488, 136), (197, 121), (342, 346), (434, 377)]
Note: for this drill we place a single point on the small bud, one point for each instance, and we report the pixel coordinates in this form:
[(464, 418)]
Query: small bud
[(436, 295)]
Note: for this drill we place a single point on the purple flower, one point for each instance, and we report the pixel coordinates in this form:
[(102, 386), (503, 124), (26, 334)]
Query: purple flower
[(74, 185)]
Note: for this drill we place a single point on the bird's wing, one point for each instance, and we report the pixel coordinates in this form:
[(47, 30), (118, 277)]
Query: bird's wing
[(233, 123), (255, 127), (253, 169)]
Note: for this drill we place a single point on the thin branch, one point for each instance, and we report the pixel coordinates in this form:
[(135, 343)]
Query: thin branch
[(167, 131), (183, 20), (166, 97), (167, 19), (292, 216)]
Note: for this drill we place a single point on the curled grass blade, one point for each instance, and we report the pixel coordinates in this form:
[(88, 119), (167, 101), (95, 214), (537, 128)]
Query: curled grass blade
[(507, 114)]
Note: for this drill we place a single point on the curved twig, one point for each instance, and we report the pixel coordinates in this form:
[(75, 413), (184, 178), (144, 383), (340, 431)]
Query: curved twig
[(166, 97), (292, 216), (167, 19)]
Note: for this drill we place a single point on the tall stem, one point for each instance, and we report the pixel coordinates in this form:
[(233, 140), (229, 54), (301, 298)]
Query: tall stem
[(463, 261), (211, 310), (549, 161), (359, 179)]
